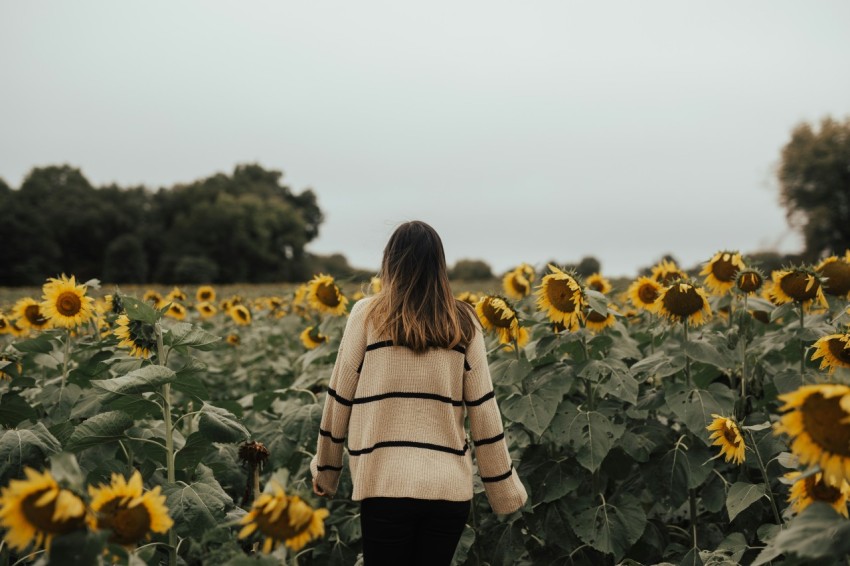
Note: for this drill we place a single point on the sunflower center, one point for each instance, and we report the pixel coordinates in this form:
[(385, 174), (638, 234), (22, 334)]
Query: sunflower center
[(128, 524), (731, 436), (724, 270), (647, 293), (822, 420), (838, 278), (206, 295), (561, 295), (683, 302), (820, 491), (749, 283), (839, 349), (800, 286), (142, 334), (41, 517), (68, 304), (242, 313), (34, 316), (328, 294), (279, 529), (315, 336), (520, 284), (494, 315)]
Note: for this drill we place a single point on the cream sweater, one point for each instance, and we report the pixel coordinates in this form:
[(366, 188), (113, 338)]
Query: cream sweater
[(403, 416)]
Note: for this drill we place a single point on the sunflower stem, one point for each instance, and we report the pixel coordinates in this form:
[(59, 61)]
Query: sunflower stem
[(256, 470), (687, 356), (802, 347), (65, 362), (764, 475), (743, 338), (692, 499), (169, 438)]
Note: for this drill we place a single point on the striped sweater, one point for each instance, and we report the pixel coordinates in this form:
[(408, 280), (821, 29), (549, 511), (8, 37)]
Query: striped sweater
[(402, 414)]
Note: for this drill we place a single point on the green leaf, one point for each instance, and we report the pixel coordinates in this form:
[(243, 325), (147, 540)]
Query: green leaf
[(612, 527), (41, 344), (702, 351), (198, 506), (197, 446), (14, 409), (659, 364), (742, 495), (25, 446), (534, 409), (695, 406), (467, 539), (597, 301), (100, 428), (185, 334), (554, 480), (139, 310), (220, 425), (79, 547), (136, 407), (683, 468), (148, 378), (590, 433), (817, 532), (510, 371), (507, 544), (66, 470)]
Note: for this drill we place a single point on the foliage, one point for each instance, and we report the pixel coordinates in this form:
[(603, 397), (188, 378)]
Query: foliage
[(471, 270)]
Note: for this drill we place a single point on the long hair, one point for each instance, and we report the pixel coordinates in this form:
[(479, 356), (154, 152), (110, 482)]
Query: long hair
[(415, 306)]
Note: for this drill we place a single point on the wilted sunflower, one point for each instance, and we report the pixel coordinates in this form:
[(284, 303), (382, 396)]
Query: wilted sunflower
[(720, 271), (598, 283), (375, 285), (324, 295), (644, 293), (497, 315), (517, 282), (232, 339), (468, 298), (30, 314), (818, 422), (834, 351), (727, 436), (666, 271), (749, 281), (596, 323), (561, 297), (176, 311), (138, 336), (240, 315), (812, 488), (124, 508), (312, 338), (205, 294), (837, 274), (153, 297), (684, 302), (36, 509), (281, 518), (206, 309), (799, 284)]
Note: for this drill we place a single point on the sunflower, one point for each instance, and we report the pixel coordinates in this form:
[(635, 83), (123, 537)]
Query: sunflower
[(229, 303), (275, 303), (153, 297), (517, 282), (666, 271), (15, 329), (36, 509), (375, 285), (12, 365), (324, 295), (312, 338), (5, 324), (116, 305), (799, 284), (496, 314), (598, 283), (30, 315), (176, 294), (176, 311), (206, 309), (811, 488), (281, 518), (727, 436), (205, 294), (818, 422), (232, 339), (124, 508), (835, 351), (684, 302), (749, 281), (138, 336), (561, 297), (644, 293), (468, 298), (65, 303), (720, 271), (596, 323), (240, 315), (837, 276)]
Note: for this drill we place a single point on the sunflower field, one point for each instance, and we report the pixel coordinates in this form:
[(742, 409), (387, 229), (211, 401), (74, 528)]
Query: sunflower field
[(679, 418)]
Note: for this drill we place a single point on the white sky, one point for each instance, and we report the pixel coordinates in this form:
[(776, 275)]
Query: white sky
[(522, 131)]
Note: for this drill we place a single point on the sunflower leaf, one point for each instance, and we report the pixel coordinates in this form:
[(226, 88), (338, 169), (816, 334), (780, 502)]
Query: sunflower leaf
[(220, 425), (590, 433), (742, 495), (25, 446), (185, 334), (597, 301), (817, 532), (198, 506), (140, 310), (536, 407), (99, 429), (15, 410), (694, 406), (612, 527), (148, 378)]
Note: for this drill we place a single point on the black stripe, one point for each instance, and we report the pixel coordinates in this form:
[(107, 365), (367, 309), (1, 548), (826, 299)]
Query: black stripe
[(490, 440), (460, 349), (407, 395), (338, 397), (387, 343), (466, 365), (334, 468), (394, 443), (327, 433), (376, 345), (486, 397), (504, 476)]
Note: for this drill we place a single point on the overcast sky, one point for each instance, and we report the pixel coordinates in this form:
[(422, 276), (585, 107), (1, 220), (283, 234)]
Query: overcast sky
[(522, 131)]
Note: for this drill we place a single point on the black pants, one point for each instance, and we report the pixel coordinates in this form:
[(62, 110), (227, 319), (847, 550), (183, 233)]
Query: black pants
[(402, 531)]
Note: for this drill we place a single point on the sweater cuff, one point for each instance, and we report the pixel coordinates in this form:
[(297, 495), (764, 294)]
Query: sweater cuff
[(506, 496), (328, 480)]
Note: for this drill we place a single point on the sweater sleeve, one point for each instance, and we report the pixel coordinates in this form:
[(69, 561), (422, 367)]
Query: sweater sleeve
[(504, 490), (326, 465)]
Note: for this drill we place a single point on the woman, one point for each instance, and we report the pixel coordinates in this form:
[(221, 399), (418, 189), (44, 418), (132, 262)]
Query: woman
[(412, 363)]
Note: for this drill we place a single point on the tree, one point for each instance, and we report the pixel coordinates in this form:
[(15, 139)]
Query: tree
[(471, 270), (814, 180)]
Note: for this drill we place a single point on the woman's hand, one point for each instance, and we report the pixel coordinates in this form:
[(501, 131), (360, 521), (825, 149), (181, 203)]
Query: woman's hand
[(317, 489)]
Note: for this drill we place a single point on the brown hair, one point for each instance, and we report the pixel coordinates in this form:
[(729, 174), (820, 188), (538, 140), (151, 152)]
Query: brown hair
[(415, 307)]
